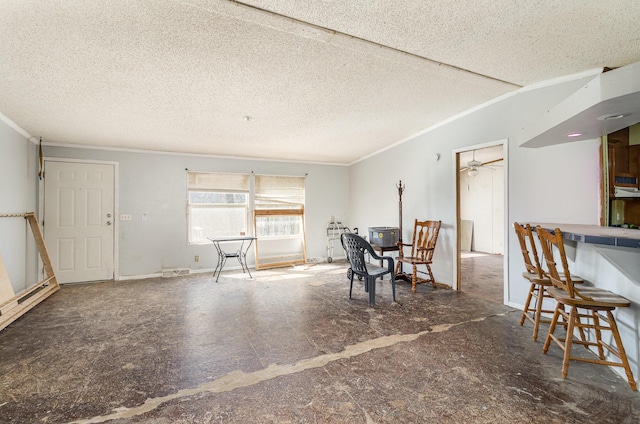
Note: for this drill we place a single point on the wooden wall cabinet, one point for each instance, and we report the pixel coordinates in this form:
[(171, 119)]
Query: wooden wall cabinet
[(624, 171)]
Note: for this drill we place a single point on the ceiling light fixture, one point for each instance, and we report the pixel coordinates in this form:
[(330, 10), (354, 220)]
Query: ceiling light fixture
[(472, 172), (612, 116), (577, 134), (247, 118)]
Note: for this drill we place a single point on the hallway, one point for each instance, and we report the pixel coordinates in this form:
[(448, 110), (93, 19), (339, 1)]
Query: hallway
[(288, 346), (482, 275)]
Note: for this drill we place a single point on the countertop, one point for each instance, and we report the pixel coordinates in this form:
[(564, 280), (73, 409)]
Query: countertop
[(595, 234)]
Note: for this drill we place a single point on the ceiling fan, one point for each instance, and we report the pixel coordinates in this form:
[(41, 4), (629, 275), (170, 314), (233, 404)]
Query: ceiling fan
[(473, 166)]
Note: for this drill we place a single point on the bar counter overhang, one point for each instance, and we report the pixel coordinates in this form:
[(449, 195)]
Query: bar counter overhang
[(594, 234), (619, 246)]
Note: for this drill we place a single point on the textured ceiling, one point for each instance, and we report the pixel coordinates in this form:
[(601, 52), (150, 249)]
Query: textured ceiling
[(323, 80)]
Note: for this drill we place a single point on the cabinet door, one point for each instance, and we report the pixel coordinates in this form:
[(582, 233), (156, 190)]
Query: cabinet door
[(612, 168), (634, 160)]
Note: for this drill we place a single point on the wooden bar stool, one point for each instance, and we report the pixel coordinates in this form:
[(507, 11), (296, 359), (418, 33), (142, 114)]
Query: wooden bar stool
[(598, 303), (538, 280)]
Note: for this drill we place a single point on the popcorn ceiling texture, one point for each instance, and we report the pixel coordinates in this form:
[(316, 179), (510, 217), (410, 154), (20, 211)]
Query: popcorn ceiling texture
[(325, 81)]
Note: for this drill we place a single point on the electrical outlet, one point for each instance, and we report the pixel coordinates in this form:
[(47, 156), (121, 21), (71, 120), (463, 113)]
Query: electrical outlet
[(145, 217), (197, 258)]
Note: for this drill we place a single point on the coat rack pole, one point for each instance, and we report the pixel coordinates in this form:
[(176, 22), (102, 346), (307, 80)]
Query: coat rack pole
[(399, 272), (400, 190)]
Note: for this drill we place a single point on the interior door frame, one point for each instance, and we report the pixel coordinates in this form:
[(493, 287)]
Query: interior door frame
[(116, 205), (456, 176)]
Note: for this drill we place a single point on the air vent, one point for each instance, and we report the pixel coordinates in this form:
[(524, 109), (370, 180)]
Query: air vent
[(167, 273)]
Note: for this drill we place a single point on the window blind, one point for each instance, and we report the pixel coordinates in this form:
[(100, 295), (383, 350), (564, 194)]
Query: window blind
[(279, 192), (218, 181)]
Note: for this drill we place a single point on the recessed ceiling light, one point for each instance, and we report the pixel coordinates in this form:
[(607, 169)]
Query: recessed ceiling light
[(574, 135), (247, 118), (611, 116)]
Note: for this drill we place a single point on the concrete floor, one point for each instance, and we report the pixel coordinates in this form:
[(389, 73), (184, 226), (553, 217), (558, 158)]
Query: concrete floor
[(288, 346), (482, 275)]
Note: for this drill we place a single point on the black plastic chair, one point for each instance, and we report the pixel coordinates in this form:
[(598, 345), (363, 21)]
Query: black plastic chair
[(356, 247)]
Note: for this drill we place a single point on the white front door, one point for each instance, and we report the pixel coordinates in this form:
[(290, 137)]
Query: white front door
[(79, 220)]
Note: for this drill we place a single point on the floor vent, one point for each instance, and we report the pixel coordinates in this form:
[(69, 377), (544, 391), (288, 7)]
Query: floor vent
[(166, 273)]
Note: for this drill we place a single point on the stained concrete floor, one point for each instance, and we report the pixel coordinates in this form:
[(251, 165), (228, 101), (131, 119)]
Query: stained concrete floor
[(482, 275), (288, 346)]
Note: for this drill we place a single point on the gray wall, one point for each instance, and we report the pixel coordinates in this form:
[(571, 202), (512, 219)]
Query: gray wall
[(155, 184), (18, 188)]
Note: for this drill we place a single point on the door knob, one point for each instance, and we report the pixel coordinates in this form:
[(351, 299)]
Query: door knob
[(108, 222), (108, 215)]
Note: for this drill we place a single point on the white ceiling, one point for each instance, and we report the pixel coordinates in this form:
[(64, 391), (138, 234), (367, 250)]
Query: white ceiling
[(324, 80)]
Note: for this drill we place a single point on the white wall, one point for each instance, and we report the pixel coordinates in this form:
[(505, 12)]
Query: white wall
[(155, 184), (566, 174), (18, 175), (482, 201), (558, 184), (616, 269), (553, 184)]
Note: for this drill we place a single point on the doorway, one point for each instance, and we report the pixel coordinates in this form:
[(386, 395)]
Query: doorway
[(79, 219), (480, 216)]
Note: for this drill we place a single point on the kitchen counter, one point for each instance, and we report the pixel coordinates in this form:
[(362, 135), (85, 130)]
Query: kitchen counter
[(595, 234)]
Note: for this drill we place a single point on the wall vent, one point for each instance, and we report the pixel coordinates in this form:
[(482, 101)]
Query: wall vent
[(166, 273)]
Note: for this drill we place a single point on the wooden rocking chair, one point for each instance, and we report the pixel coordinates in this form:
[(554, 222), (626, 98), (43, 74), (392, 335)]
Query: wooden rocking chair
[(425, 235)]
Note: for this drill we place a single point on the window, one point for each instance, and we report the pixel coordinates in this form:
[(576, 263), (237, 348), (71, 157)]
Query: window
[(218, 205), (279, 221), (279, 205)]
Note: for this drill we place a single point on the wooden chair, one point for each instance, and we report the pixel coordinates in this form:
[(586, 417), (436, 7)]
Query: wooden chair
[(425, 235), (355, 248), (598, 304), (539, 281)]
